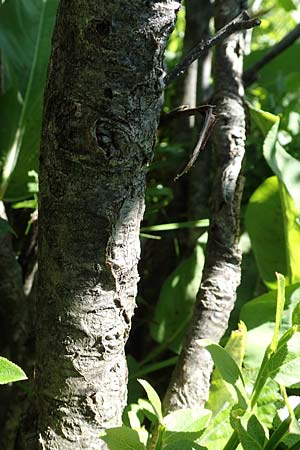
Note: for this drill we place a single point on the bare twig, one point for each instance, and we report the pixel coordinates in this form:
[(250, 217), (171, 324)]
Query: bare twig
[(209, 122), (241, 22), (251, 75)]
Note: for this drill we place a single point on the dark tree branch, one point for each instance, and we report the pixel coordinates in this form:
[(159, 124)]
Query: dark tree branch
[(241, 22), (251, 75), (209, 122)]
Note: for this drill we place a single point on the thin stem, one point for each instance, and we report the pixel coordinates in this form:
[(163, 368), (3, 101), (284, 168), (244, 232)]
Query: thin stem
[(209, 122), (250, 75), (239, 23)]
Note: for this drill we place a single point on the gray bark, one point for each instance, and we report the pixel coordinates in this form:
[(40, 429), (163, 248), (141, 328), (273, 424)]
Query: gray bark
[(217, 294), (102, 104)]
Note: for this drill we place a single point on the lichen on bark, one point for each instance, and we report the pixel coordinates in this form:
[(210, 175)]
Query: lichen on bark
[(102, 104)]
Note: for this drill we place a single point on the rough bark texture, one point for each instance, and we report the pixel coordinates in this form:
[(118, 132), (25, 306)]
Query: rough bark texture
[(102, 104), (216, 297)]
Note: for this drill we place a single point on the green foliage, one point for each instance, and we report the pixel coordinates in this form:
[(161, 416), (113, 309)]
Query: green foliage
[(178, 429), (10, 372), (259, 317), (235, 417), (272, 217), (5, 228), (25, 49), (271, 220), (176, 300)]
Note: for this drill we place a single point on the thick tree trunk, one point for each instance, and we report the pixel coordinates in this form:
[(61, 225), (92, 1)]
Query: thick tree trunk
[(216, 297), (102, 105)]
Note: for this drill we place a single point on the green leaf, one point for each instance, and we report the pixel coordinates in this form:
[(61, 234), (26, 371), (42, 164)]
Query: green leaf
[(259, 317), (122, 438), (222, 393), (219, 430), (147, 409), (272, 223), (5, 228), (10, 372), (226, 365), (279, 309), (184, 444), (285, 166), (25, 42), (176, 300), (186, 424), (296, 315), (153, 399), (284, 366), (254, 437), (288, 5)]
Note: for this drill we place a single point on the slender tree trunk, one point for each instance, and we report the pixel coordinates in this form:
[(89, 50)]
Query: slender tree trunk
[(102, 104), (217, 294), (199, 13)]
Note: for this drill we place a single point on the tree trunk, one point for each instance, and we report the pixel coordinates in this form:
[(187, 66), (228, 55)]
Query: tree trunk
[(221, 277), (102, 104)]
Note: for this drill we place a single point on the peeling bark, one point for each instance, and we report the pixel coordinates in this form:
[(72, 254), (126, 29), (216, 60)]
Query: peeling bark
[(190, 382), (102, 104)]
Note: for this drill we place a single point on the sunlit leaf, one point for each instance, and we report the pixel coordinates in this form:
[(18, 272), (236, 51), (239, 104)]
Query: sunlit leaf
[(122, 438), (10, 372), (153, 399)]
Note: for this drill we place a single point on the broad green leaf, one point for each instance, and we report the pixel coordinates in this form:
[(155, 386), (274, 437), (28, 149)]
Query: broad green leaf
[(221, 393), (284, 165), (259, 317), (184, 444), (185, 424), (288, 5), (122, 438), (153, 399), (226, 365), (25, 41), (272, 223), (10, 372), (252, 438), (176, 300), (219, 430)]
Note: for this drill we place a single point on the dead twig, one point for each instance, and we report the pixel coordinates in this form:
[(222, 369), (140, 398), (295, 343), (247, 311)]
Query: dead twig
[(209, 122), (241, 22)]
